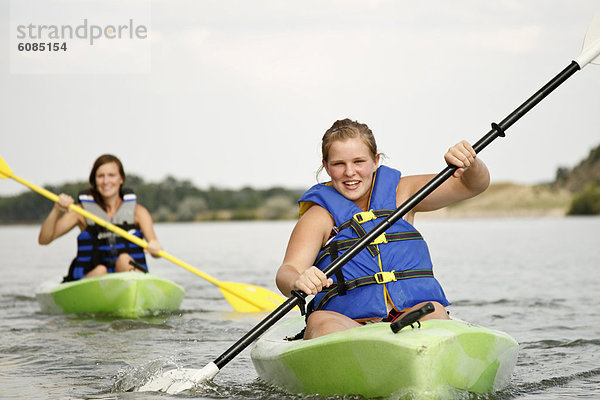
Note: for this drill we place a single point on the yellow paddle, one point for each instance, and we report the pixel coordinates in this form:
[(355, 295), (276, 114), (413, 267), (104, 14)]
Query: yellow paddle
[(242, 297)]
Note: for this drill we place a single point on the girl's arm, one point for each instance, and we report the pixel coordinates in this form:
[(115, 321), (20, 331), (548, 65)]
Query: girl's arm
[(470, 179), (60, 220), (143, 219), (309, 235)]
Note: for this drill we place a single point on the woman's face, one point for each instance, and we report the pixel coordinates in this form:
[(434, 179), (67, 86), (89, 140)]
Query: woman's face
[(351, 168), (108, 179)]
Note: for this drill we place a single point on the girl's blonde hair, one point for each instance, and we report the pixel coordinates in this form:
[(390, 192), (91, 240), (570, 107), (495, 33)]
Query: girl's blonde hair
[(347, 129)]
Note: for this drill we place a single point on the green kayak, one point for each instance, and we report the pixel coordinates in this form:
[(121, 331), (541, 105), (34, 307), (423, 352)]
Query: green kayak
[(372, 361), (126, 294)]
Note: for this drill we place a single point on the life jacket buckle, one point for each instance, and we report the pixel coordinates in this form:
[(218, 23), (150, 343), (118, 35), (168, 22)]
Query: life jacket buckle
[(364, 216), (380, 239), (385, 277)]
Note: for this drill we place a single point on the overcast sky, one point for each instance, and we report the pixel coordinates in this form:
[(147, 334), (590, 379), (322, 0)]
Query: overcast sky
[(239, 93)]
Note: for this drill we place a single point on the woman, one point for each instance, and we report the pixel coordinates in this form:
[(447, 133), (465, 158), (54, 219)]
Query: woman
[(394, 274), (100, 251)]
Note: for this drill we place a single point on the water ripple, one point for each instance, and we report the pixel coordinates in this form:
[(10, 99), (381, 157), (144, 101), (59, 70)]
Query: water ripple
[(550, 383), (128, 324), (552, 344)]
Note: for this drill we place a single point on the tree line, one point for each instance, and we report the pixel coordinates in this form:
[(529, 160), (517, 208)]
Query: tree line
[(170, 200), (173, 200), (583, 181)]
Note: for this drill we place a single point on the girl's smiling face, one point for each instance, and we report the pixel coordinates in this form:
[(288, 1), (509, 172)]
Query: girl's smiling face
[(108, 180), (351, 167)]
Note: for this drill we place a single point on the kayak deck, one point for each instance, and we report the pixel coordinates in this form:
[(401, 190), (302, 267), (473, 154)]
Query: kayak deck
[(126, 294), (372, 361)]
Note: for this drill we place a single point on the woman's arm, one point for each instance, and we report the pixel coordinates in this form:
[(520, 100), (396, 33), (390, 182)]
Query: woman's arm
[(309, 235), (470, 179), (60, 220), (143, 219)]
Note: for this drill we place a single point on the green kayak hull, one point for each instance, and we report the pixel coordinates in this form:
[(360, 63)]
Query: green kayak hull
[(372, 361), (127, 294)]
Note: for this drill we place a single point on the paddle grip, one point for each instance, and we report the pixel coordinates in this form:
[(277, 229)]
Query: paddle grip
[(138, 266), (411, 317)]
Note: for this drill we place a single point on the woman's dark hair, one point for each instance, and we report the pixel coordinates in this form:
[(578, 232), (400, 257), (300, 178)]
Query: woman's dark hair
[(100, 161)]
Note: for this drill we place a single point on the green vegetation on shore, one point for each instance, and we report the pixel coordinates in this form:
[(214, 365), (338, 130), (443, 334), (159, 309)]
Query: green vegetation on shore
[(584, 182), (575, 191), (170, 200), (510, 200)]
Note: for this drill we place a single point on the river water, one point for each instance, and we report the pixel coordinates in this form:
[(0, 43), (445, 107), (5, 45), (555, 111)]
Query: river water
[(536, 279)]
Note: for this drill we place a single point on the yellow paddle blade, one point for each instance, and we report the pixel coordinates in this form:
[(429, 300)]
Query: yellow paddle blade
[(249, 298), (241, 296), (5, 171)]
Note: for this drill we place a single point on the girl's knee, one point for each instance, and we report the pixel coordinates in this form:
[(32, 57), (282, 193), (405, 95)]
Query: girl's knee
[(122, 263), (439, 311), (97, 271), (315, 322), (321, 323)]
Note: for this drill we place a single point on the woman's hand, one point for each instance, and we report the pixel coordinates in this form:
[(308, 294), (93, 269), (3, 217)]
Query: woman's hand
[(312, 281), (470, 178), (153, 248), (297, 271), (462, 156), (57, 224), (63, 203)]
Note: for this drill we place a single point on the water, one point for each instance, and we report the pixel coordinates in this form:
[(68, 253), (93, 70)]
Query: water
[(536, 279)]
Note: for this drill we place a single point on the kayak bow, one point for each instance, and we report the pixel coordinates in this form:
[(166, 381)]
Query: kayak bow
[(372, 361), (125, 294)]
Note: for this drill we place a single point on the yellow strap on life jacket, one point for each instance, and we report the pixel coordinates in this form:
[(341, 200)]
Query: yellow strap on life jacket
[(380, 239), (364, 216), (385, 277)]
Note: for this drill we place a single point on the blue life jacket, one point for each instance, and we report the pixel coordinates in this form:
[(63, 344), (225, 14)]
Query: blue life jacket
[(97, 245), (395, 268)]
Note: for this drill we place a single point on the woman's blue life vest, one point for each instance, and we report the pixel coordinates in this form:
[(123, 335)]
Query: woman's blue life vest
[(97, 245), (395, 268)]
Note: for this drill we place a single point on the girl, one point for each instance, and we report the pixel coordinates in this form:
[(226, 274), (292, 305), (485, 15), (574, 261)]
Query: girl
[(100, 251), (393, 275)]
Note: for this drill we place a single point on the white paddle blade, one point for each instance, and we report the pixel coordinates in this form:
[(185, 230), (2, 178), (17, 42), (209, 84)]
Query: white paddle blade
[(179, 380), (591, 44)]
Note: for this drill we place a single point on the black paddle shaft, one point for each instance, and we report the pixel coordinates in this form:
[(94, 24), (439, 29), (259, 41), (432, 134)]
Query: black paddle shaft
[(298, 299)]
